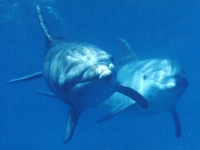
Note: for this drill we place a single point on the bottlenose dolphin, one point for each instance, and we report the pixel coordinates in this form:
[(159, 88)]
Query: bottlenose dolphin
[(82, 75), (161, 81)]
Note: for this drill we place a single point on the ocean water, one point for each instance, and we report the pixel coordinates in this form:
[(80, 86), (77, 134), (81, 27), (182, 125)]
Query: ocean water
[(166, 29)]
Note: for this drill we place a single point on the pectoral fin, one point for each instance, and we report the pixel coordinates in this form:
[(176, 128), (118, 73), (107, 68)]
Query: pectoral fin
[(116, 103), (46, 94), (134, 95), (72, 119), (177, 122), (119, 102), (26, 78)]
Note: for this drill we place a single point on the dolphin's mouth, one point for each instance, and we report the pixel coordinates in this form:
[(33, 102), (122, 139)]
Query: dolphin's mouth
[(174, 81), (105, 73), (101, 73), (164, 84)]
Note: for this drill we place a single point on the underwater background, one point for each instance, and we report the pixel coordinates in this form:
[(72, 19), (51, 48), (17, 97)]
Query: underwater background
[(154, 29)]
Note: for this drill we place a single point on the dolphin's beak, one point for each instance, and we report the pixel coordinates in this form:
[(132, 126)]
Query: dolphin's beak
[(105, 72), (106, 75)]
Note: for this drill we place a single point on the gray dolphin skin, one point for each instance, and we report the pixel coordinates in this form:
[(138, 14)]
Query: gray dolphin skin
[(161, 81), (79, 74)]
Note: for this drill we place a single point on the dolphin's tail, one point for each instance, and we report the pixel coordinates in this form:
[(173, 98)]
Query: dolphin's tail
[(50, 37)]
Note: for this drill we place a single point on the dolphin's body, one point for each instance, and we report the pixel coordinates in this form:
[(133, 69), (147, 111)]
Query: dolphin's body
[(161, 81), (81, 75)]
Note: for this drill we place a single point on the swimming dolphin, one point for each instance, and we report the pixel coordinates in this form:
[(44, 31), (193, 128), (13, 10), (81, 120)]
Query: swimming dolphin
[(82, 75), (161, 81)]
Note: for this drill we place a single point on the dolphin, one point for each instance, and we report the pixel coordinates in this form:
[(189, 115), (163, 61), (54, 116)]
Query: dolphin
[(161, 81), (80, 74)]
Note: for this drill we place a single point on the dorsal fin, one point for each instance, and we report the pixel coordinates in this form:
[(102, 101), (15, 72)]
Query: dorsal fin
[(50, 37), (126, 52)]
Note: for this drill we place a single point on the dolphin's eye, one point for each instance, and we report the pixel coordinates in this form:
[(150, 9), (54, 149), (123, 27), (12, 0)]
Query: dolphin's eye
[(144, 77), (111, 58)]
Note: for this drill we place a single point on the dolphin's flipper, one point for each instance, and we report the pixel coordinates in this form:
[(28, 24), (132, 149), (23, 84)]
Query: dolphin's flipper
[(134, 95), (121, 105), (46, 93), (26, 78), (72, 119), (177, 122), (119, 102)]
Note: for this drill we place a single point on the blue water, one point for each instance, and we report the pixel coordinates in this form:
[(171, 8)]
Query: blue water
[(168, 29)]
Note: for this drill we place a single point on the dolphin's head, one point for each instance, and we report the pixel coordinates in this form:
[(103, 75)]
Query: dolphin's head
[(99, 67), (162, 83), (166, 74), (85, 75), (83, 64)]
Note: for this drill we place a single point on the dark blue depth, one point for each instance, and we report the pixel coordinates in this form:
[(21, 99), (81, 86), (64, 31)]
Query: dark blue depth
[(155, 29)]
